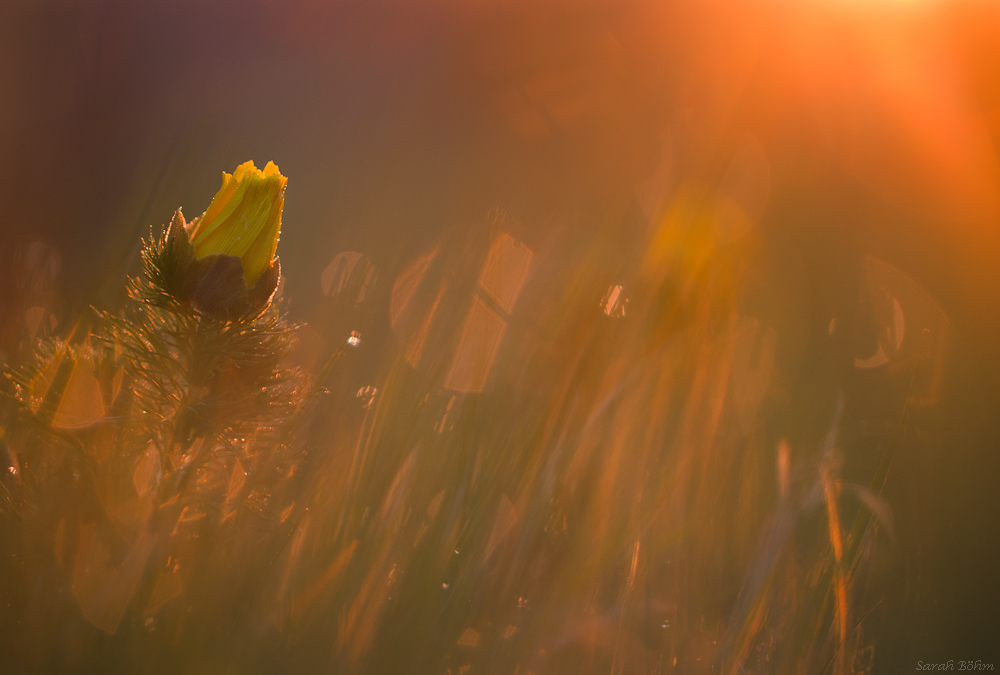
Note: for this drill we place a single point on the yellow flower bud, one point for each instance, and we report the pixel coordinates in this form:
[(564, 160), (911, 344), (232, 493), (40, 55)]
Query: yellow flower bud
[(244, 219)]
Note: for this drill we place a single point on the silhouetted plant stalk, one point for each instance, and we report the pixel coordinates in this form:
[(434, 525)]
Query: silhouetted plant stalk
[(831, 489)]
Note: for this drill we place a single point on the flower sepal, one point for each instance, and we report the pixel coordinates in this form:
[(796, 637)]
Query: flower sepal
[(214, 285)]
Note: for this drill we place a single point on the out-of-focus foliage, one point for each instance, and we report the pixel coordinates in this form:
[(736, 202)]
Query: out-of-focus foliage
[(620, 507)]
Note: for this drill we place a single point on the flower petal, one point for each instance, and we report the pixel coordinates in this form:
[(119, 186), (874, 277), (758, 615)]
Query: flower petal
[(208, 220), (261, 252), (244, 218)]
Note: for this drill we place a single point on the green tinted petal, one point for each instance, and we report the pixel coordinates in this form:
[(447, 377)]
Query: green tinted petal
[(261, 252), (222, 197)]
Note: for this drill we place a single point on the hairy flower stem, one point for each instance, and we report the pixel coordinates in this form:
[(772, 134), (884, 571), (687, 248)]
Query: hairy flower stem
[(182, 440)]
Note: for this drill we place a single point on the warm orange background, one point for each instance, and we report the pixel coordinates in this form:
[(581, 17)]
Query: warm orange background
[(878, 122)]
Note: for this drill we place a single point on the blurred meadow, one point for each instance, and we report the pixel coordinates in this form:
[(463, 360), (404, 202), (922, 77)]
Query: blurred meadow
[(611, 337)]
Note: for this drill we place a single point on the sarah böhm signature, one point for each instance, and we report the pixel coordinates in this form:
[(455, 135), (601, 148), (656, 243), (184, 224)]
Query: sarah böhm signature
[(950, 665)]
